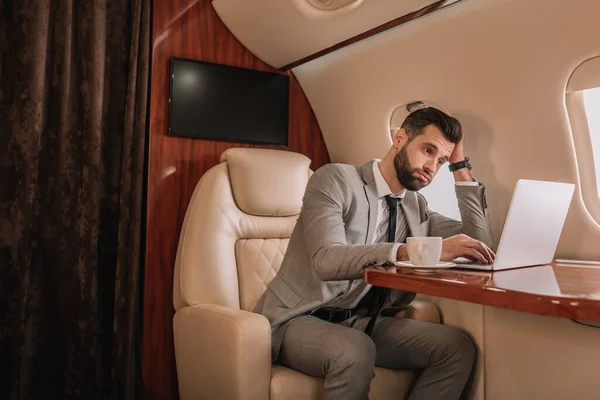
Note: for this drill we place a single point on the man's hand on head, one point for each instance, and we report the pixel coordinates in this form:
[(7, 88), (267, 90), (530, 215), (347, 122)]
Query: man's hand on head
[(458, 154), (465, 246)]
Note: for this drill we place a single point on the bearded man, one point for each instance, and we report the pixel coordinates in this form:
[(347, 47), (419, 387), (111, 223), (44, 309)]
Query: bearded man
[(326, 321)]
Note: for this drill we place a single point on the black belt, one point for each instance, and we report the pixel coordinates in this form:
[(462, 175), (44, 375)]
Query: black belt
[(332, 314)]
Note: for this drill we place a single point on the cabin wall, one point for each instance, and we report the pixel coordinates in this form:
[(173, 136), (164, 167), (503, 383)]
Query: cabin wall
[(191, 29), (500, 66), (526, 356), (532, 356)]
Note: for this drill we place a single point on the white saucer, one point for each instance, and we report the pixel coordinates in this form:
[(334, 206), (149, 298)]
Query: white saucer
[(425, 268)]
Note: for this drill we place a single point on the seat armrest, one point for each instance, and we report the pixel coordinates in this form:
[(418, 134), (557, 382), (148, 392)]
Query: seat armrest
[(222, 353), (421, 310)]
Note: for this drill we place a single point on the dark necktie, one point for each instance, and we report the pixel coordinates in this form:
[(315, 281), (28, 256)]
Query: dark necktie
[(381, 293), (392, 203)]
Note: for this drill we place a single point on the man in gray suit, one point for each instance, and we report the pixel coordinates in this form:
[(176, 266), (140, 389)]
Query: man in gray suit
[(324, 317)]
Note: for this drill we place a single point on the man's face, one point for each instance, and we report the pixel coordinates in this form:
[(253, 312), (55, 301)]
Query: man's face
[(419, 160)]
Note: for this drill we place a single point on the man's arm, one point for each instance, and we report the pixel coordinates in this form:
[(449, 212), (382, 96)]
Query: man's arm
[(473, 212), (471, 204), (322, 217)]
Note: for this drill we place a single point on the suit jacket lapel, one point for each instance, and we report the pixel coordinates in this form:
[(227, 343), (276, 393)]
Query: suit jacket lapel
[(410, 206), (371, 193)]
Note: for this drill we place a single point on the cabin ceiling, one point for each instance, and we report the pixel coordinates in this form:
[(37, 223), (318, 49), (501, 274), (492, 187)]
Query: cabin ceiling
[(281, 32)]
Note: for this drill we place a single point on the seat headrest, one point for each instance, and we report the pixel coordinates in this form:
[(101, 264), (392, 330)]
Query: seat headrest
[(267, 182)]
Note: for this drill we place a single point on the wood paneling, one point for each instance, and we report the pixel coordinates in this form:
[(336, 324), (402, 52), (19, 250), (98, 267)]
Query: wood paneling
[(558, 290), (191, 29), (371, 32)]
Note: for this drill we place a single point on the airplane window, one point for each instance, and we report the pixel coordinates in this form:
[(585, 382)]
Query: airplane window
[(582, 98), (591, 101)]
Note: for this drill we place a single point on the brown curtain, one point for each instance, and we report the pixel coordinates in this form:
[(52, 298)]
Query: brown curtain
[(73, 96)]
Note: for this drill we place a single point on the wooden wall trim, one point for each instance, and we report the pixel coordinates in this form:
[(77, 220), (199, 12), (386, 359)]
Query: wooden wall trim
[(381, 28), (190, 29)]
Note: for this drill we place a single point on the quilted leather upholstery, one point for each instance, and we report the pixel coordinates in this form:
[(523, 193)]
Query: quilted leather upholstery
[(258, 261)]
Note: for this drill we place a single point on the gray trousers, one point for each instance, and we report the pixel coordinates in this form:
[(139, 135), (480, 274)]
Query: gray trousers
[(346, 357)]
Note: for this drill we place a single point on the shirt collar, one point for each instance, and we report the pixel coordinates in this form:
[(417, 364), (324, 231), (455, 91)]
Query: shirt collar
[(383, 189)]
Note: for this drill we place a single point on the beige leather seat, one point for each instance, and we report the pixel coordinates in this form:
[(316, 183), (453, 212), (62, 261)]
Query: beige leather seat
[(236, 231)]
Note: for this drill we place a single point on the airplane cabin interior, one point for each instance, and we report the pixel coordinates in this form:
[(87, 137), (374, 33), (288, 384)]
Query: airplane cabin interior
[(156, 157)]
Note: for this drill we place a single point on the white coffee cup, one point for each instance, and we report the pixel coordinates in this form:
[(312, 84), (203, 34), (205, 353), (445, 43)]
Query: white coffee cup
[(424, 250)]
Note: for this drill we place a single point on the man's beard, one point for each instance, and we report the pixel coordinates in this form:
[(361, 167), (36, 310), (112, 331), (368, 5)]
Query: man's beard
[(406, 175)]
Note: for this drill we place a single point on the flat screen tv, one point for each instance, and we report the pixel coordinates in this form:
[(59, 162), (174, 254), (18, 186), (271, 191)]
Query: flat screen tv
[(221, 102)]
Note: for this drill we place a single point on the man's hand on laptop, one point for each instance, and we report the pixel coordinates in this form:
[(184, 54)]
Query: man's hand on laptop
[(465, 246)]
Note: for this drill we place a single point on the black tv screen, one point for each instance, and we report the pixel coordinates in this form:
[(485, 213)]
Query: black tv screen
[(220, 102)]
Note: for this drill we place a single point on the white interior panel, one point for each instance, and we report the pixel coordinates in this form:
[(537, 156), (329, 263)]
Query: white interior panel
[(280, 32), (530, 356), (499, 66)]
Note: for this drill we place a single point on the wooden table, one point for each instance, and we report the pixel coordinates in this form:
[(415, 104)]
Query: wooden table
[(559, 290)]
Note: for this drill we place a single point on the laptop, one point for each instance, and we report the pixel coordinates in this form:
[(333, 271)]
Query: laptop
[(532, 228)]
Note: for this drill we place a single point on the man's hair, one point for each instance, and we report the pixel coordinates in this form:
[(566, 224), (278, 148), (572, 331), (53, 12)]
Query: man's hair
[(416, 122)]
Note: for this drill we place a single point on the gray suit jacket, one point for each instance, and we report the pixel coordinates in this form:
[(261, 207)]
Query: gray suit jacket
[(330, 245)]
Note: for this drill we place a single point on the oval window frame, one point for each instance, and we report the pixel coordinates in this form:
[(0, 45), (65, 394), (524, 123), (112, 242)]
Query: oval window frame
[(585, 76)]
